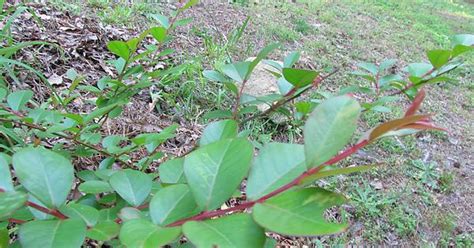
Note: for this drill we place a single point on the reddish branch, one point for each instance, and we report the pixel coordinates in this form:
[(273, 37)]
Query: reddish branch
[(16, 221), (209, 214), (237, 101), (53, 212)]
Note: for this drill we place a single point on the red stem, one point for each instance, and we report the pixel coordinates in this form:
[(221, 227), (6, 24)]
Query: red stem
[(16, 221), (53, 212), (237, 101), (411, 84), (209, 214)]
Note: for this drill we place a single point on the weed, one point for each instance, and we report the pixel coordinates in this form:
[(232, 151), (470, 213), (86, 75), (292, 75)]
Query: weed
[(403, 219), (302, 26), (281, 33), (369, 202), (99, 4), (118, 14), (446, 181), (427, 174)]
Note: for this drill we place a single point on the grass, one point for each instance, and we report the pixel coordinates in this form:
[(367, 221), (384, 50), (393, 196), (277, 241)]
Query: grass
[(338, 35), (110, 12)]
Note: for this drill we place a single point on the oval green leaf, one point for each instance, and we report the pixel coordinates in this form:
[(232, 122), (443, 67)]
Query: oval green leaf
[(104, 231), (329, 128), (216, 170), (86, 213), (299, 77), (219, 130), (95, 187), (171, 204), (11, 201), (119, 48), (6, 183), (276, 165), (133, 186), (171, 171), (140, 233), (237, 230), (52, 233), (17, 99), (299, 212), (45, 174)]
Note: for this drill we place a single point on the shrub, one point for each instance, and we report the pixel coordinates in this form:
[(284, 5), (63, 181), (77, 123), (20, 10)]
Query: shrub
[(55, 205)]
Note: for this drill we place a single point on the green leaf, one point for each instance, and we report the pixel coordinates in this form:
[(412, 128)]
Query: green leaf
[(140, 233), (172, 171), (236, 230), (52, 233), (276, 165), (3, 93), (105, 174), (261, 55), (419, 69), (219, 130), (329, 128), (133, 186), (18, 99), (237, 71), (36, 213), (119, 48), (6, 183), (334, 172), (153, 140), (214, 76), (370, 67), (95, 187), (387, 64), (462, 43), (291, 59), (299, 77), (112, 143), (129, 213), (460, 49), (172, 203), (284, 86), (163, 20), (438, 57), (189, 4), (381, 109), (11, 201), (463, 39), (45, 174), (364, 75), (159, 33), (304, 107), (91, 138), (4, 238), (99, 112), (86, 213), (218, 114), (104, 231), (299, 212), (385, 80), (216, 170), (108, 214), (183, 22)]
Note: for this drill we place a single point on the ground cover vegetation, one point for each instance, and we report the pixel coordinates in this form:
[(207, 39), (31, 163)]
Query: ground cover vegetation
[(67, 180)]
